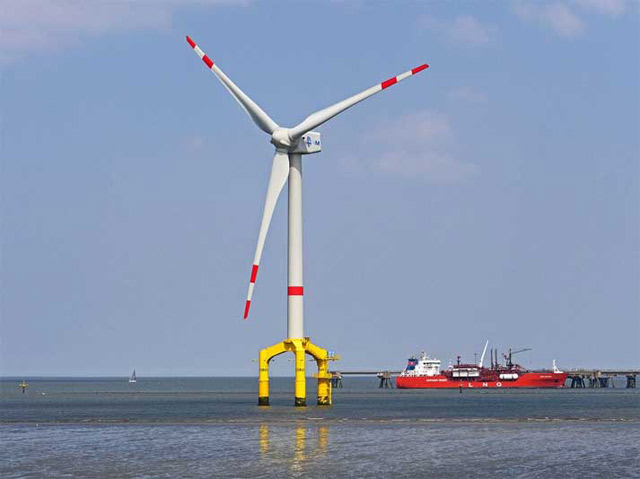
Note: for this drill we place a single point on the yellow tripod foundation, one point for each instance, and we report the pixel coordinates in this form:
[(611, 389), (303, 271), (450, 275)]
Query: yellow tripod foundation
[(300, 347)]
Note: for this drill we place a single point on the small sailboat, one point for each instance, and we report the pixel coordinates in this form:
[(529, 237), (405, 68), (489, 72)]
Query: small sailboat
[(132, 379)]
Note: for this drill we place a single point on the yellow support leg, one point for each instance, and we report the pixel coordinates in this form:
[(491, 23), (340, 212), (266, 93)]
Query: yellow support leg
[(266, 355), (263, 379), (301, 379), (324, 378), (324, 383)]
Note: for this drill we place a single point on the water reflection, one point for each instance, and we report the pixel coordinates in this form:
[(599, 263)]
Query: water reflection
[(323, 439), (299, 449), (264, 439), (280, 441)]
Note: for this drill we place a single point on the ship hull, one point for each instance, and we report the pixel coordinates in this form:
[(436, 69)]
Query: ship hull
[(527, 380)]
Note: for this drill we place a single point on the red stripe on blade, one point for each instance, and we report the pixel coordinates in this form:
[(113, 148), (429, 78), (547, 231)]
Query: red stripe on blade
[(296, 290), (191, 42), (208, 61), (254, 273), (246, 308), (389, 82), (419, 69)]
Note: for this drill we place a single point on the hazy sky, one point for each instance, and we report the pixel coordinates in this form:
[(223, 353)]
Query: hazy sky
[(493, 196)]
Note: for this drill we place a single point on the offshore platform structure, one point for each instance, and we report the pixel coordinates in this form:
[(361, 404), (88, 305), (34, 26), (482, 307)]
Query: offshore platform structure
[(291, 144)]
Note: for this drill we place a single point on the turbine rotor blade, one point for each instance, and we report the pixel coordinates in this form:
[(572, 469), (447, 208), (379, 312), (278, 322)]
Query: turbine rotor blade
[(279, 175), (259, 117), (318, 118)]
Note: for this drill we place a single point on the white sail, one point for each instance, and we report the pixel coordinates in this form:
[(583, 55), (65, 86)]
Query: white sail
[(132, 379)]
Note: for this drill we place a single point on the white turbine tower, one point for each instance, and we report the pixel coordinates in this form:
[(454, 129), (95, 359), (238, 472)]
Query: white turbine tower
[(290, 145)]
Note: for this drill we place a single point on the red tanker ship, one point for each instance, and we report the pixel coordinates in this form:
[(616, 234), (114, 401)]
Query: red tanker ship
[(424, 372)]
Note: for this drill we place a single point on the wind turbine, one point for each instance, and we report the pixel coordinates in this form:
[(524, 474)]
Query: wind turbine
[(290, 144)]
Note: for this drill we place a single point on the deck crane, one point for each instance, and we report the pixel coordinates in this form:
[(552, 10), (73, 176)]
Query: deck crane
[(507, 356)]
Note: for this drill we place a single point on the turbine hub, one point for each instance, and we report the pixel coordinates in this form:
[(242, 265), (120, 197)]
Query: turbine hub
[(280, 138)]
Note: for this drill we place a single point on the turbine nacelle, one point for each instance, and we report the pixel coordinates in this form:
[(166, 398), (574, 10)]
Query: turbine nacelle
[(308, 144)]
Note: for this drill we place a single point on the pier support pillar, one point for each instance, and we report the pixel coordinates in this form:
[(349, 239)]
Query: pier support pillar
[(631, 381), (385, 380), (577, 381)]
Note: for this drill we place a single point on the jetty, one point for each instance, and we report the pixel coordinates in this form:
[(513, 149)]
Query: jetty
[(601, 378), (386, 377)]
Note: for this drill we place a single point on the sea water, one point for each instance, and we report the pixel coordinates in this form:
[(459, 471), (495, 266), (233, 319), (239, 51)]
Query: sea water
[(212, 427)]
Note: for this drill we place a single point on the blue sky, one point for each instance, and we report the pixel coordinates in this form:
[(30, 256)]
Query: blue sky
[(493, 196)]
